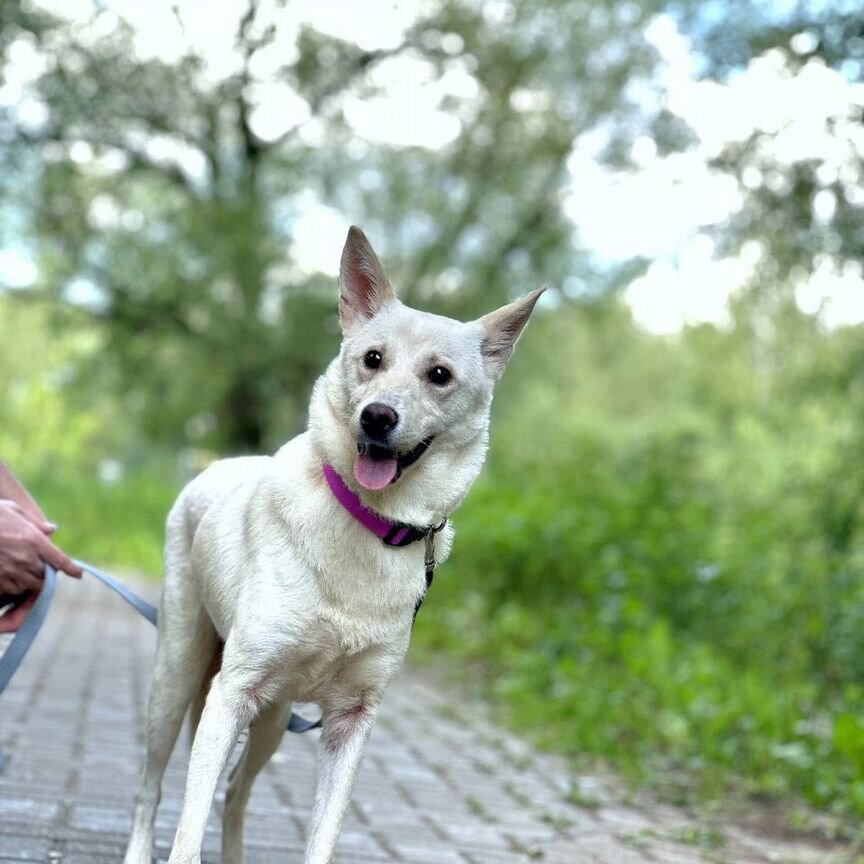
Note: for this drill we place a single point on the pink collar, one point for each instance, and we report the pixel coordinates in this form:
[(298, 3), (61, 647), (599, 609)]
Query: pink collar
[(392, 533)]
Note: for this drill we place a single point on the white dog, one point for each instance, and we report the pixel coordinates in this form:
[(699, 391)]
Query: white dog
[(281, 561)]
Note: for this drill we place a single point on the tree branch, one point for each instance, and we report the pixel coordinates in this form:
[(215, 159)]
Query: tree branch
[(528, 226), (351, 71), (138, 159), (253, 146)]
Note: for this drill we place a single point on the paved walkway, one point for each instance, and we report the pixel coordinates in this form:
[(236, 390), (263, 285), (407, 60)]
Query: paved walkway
[(431, 791)]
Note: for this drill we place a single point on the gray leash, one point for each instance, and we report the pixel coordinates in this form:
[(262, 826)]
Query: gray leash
[(29, 630)]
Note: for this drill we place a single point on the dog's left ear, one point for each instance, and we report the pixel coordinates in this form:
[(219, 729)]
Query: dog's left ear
[(502, 329), (363, 286)]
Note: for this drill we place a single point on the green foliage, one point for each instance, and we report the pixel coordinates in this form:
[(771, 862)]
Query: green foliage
[(663, 567), (41, 368), (118, 523), (155, 203), (66, 443)]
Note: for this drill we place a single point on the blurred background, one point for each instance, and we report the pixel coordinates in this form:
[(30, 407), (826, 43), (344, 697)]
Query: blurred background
[(662, 565)]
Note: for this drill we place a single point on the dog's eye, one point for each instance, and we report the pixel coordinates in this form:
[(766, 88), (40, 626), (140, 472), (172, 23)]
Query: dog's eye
[(439, 375), (372, 360)]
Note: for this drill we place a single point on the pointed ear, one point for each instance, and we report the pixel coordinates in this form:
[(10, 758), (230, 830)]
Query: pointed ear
[(363, 287), (502, 329)]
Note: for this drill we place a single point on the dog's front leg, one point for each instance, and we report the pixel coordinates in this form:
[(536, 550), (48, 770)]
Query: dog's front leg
[(343, 741), (227, 712)]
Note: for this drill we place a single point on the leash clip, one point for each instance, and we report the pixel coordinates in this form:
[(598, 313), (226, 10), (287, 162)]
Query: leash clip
[(429, 562), (429, 559)]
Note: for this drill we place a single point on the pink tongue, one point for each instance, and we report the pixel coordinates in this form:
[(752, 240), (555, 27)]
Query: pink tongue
[(374, 473)]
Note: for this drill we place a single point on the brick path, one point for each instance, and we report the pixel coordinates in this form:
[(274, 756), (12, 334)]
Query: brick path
[(431, 790)]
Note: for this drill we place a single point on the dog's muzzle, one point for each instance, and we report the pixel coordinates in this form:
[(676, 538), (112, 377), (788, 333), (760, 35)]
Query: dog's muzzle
[(377, 467)]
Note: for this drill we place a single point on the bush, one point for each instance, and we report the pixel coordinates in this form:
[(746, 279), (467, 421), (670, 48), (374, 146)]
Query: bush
[(671, 585)]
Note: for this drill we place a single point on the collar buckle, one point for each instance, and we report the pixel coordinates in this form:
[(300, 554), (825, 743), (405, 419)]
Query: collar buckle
[(404, 535)]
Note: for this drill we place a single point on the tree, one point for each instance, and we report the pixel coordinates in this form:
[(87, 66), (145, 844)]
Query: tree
[(804, 207), (158, 205)]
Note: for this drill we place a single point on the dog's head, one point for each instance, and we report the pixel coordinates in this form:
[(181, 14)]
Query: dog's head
[(403, 411)]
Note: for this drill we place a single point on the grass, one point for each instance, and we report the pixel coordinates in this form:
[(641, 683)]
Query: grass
[(118, 524), (695, 835)]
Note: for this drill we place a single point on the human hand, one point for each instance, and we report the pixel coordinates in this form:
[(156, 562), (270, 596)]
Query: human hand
[(24, 551), (10, 621)]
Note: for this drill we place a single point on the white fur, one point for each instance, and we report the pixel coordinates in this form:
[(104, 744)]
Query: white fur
[(310, 605)]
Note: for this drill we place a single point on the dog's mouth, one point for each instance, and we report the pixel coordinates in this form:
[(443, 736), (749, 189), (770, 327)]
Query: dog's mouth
[(377, 467)]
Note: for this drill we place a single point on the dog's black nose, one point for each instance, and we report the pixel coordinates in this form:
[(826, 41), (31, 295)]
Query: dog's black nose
[(377, 419)]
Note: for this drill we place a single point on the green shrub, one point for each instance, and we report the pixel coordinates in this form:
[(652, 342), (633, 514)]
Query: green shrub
[(114, 524)]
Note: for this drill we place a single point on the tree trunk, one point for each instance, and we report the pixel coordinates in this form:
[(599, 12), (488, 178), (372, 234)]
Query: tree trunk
[(244, 421)]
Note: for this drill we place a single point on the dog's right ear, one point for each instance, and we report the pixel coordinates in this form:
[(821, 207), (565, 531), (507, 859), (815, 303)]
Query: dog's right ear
[(363, 287)]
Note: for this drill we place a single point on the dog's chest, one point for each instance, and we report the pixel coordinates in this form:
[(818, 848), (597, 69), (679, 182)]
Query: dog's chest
[(366, 593), (331, 635), (281, 558)]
